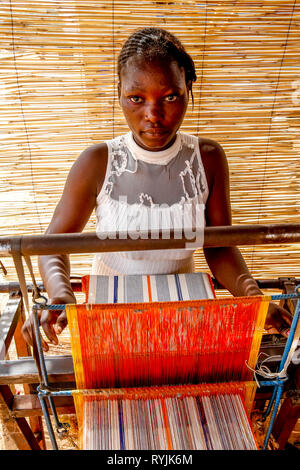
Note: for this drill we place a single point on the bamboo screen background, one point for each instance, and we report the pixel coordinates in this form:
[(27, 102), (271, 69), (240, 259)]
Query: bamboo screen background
[(58, 96)]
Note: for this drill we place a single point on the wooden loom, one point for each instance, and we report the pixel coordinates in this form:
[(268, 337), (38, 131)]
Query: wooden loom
[(63, 403), (166, 343), (214, 11), (139, 347)]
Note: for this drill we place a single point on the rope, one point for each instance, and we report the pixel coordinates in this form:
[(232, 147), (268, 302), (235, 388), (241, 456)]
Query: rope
[(282, 375), (40, 306), (265, 372)]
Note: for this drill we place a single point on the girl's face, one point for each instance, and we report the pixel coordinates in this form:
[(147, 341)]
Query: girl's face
[(154, 97)]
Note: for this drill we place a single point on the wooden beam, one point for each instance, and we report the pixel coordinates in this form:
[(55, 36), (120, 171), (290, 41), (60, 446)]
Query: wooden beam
[(29, 405), (17, 427), (23, 349), (91, 242), (59, 368), (289, 285), (286, 420), (24, 435), (8, 323), (289, 413)]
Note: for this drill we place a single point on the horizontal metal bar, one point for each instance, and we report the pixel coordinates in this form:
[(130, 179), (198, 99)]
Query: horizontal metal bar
[(233, 235), (268, 383), (286, 296), (29, 405), (276, 283), (41, 306), (57, 393), (7, 287)]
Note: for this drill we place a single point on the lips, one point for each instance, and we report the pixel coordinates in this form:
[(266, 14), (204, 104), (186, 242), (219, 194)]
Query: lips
[(155, 132)]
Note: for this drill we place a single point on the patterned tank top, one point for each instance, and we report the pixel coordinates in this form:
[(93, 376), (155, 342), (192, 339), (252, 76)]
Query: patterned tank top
[(144, 192)]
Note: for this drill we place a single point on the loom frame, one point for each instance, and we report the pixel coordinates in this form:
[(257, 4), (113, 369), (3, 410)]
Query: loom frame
[(15, 408), (61, 373), (46, 392)]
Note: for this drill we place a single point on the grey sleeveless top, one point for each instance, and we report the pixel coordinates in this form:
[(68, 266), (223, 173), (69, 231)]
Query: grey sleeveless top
[(145, 191)]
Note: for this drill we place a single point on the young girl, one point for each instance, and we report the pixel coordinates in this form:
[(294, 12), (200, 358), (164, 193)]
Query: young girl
[(153, 165)]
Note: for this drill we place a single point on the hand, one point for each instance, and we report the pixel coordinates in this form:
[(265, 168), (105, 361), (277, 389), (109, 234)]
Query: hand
[(278, 320), (52, 321)]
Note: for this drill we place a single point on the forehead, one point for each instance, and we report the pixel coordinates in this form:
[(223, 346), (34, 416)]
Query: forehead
[(140, 74)]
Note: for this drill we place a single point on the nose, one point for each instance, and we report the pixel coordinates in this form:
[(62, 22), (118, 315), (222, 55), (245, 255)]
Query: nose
[(153, 112)]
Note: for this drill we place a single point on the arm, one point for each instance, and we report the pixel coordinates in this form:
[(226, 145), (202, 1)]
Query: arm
[(70, 216), (227, 263)]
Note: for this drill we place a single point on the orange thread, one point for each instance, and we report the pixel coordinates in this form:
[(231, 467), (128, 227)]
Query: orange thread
[(149, 288)]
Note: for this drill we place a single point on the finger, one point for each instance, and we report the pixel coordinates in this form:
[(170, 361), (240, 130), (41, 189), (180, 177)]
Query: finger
[(284, 331), (44, 345), (287, 317), (61, 323), (27, 334), (47, 321), (277, 325), (283, 327), (286, 321)]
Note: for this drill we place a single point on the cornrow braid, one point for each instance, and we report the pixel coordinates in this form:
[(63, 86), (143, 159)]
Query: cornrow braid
[(152, 43)]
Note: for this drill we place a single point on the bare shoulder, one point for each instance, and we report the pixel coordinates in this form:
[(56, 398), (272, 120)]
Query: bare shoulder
[(80, 191), (93, 156), (91, 164), (213, 158), (210, 148)]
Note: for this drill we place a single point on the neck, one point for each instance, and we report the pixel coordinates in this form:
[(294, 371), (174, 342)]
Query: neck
[(160, 157), (155, 150)]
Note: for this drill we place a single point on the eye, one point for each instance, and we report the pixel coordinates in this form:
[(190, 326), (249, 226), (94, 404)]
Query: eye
[(171, 98), (135, 99)]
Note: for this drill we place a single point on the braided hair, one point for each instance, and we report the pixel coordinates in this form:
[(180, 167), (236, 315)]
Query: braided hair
[(157, 43)]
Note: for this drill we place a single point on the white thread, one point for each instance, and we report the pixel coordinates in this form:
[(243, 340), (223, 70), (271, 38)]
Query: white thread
[(264, 371)]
